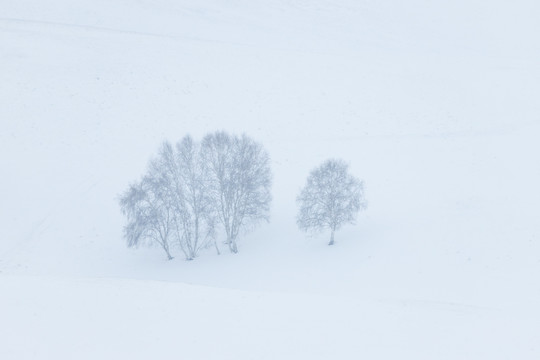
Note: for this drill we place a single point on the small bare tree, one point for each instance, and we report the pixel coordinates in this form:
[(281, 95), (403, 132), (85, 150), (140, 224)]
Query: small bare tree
[(240, 175), (331, 198)]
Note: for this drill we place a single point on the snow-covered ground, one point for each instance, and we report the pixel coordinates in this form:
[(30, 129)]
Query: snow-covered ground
[(434, 105)]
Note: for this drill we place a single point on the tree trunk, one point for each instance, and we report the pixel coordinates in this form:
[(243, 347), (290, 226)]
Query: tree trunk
[(233, 247), (217, 248), (229, 243), (166, 248), (331, 238)]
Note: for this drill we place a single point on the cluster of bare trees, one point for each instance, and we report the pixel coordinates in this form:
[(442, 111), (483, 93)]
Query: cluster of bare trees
[(192, 187), (192, 190)]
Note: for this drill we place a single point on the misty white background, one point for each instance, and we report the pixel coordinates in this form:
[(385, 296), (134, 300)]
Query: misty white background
[(434, 105)]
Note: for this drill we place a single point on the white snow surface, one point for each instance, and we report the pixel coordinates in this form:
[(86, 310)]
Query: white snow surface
[(435, 105)]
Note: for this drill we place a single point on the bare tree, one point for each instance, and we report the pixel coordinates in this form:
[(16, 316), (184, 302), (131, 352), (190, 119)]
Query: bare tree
[(240, 176), (331, 198), (149, 212), (196, 216)]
